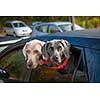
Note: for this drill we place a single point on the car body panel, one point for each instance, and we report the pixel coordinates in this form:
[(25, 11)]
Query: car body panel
[(93, 64)]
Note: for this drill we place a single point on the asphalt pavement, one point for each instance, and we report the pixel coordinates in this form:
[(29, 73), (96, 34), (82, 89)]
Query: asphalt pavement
[(7, 38)]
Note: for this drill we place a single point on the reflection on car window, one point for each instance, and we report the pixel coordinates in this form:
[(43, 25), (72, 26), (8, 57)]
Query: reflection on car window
[(19, 25), (52, 29), (65, 27), (42, 28), (14, 63)]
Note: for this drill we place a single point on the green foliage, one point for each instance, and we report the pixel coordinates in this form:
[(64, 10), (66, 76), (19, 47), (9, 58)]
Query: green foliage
[(88, 21)]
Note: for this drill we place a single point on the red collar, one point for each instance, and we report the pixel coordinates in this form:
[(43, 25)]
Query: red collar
[(45, 61), (61, 66)]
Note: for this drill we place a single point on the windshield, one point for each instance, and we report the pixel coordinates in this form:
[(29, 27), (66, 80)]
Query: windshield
[(19, 25), (65, 27)]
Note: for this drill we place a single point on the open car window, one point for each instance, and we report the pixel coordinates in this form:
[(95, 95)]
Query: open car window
[(15, 64), (46, 74)]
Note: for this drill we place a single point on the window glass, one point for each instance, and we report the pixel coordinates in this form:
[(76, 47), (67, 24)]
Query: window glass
[(15, 64), (42, 28), (52, 29), (8, 25), (65, 27), (19, 24)]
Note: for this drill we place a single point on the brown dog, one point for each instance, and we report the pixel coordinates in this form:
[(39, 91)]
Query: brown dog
[(32, 53)]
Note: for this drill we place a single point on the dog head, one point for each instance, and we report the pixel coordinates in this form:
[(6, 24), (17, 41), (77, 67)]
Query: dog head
[(32, 53), (57, 50)]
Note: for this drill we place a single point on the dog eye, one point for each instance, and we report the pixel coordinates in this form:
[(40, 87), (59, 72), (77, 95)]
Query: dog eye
[(36, 51), (59, 48), (51, 48), (28, 51)]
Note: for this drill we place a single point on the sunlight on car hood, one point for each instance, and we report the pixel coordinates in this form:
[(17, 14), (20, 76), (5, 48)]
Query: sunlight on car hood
[(13, 41), (2, 48)]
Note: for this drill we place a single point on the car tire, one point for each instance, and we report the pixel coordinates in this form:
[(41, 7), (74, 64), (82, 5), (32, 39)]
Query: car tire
[(4, 31), (7, 34), (14, 34)]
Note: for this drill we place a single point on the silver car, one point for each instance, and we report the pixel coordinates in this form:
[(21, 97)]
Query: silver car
[(17, 28), (53, 27)]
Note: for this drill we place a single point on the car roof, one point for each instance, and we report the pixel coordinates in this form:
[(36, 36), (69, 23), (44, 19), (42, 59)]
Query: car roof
[(87, 33), (53, 23), (59, 23), (37, 22)]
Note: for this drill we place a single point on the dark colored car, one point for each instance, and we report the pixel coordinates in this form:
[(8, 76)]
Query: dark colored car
[(85, 46)]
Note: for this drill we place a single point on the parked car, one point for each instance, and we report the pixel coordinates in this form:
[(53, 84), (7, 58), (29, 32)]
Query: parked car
[(53, 27), (17, 28), (85, 51)]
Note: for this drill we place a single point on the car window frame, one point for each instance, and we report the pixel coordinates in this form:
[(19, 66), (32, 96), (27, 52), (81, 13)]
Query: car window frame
[(82, 49)]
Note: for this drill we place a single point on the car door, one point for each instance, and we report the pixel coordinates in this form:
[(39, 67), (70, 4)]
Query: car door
[(9, 28)]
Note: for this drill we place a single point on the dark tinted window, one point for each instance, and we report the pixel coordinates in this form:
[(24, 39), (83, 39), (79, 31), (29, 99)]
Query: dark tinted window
[(19, 24)]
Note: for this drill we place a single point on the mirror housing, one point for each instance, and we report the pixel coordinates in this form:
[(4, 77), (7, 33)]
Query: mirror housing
[(3, 73)]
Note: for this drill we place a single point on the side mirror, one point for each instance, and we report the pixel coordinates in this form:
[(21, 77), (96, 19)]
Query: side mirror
[(3, 73)]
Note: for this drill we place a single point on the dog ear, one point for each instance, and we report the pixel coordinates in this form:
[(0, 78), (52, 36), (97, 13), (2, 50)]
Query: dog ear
[(44, 51), (66, 48), (24, 50)]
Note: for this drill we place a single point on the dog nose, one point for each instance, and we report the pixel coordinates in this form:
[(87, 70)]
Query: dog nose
[(55, 58), (30, 63)]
